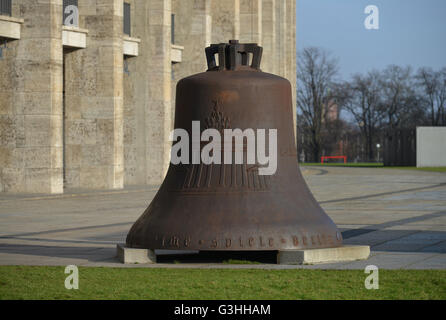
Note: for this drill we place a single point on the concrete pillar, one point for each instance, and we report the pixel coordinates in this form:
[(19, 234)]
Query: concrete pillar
[(159, 113), (225, 20), (291, 53), (251, 21), (136, 100), (281, 38), (94, 153), (147, 94), (269, 36), (285, 45), (135, 83), (31, 101), (193, 28)]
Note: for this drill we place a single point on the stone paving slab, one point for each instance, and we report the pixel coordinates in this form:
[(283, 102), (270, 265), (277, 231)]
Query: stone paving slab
[(401, 214)]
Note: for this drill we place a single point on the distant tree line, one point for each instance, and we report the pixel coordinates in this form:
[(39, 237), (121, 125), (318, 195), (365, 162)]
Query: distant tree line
[(380, 100)]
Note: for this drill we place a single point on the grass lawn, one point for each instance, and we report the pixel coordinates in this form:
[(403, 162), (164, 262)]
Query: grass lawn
[(372, 165), (341, 164), (26, 282)]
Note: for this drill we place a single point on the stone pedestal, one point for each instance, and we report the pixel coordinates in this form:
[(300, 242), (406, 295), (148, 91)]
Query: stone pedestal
[(287, 257), (131, 255), (326, 255)]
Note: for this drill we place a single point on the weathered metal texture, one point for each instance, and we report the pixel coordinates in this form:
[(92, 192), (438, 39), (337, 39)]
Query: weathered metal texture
[(231, 206)]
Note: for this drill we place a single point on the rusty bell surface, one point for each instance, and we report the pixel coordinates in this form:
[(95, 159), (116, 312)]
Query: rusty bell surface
[(231, 206)]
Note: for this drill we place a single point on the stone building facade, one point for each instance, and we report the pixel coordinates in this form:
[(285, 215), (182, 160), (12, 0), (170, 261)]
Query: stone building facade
[(87, 101)]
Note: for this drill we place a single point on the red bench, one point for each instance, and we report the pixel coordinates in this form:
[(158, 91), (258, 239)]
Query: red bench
[(333, 157)]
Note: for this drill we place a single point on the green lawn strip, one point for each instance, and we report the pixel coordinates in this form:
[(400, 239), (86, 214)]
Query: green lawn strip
[(429, 169), (341, 164), (372, 165), (26, 282)]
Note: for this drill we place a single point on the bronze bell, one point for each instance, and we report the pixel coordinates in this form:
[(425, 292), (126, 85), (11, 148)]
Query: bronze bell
[(231, 206)]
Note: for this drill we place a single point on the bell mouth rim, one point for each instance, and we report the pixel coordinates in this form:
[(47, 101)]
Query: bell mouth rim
[(251, 243), (186, 249)]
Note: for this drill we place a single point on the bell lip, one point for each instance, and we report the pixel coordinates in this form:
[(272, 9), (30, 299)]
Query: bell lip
[(201, 249), (308, 243)]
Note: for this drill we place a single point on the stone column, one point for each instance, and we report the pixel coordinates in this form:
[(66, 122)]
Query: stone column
[(251, 21), (94, 100), (118, 95), (31, 101), (158, 114), (147, 94), (225, 20), (281, 39), (285, 44), (292, 55), (193, 27), (269, 60), (135, 81)]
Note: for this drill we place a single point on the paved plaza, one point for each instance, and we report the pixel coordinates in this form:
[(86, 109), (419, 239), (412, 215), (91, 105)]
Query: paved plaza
[(401, 214)]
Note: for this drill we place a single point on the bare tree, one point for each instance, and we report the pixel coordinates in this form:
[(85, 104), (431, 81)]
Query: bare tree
[(433, 84), (398, 95), (362, 98), (315, 75), (334, 132)]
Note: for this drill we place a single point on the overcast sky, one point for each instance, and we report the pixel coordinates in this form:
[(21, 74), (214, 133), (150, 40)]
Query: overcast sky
[(411, 32)]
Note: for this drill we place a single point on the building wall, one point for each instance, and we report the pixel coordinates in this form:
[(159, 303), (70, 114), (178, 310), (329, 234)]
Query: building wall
[(147, 95), (431, 146), (31, 101), (94, 118), (93, 129), (269, 23)]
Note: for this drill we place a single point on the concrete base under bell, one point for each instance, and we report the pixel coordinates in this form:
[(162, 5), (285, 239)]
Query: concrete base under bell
[(286, 257), (325, 255), (132, 255)]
